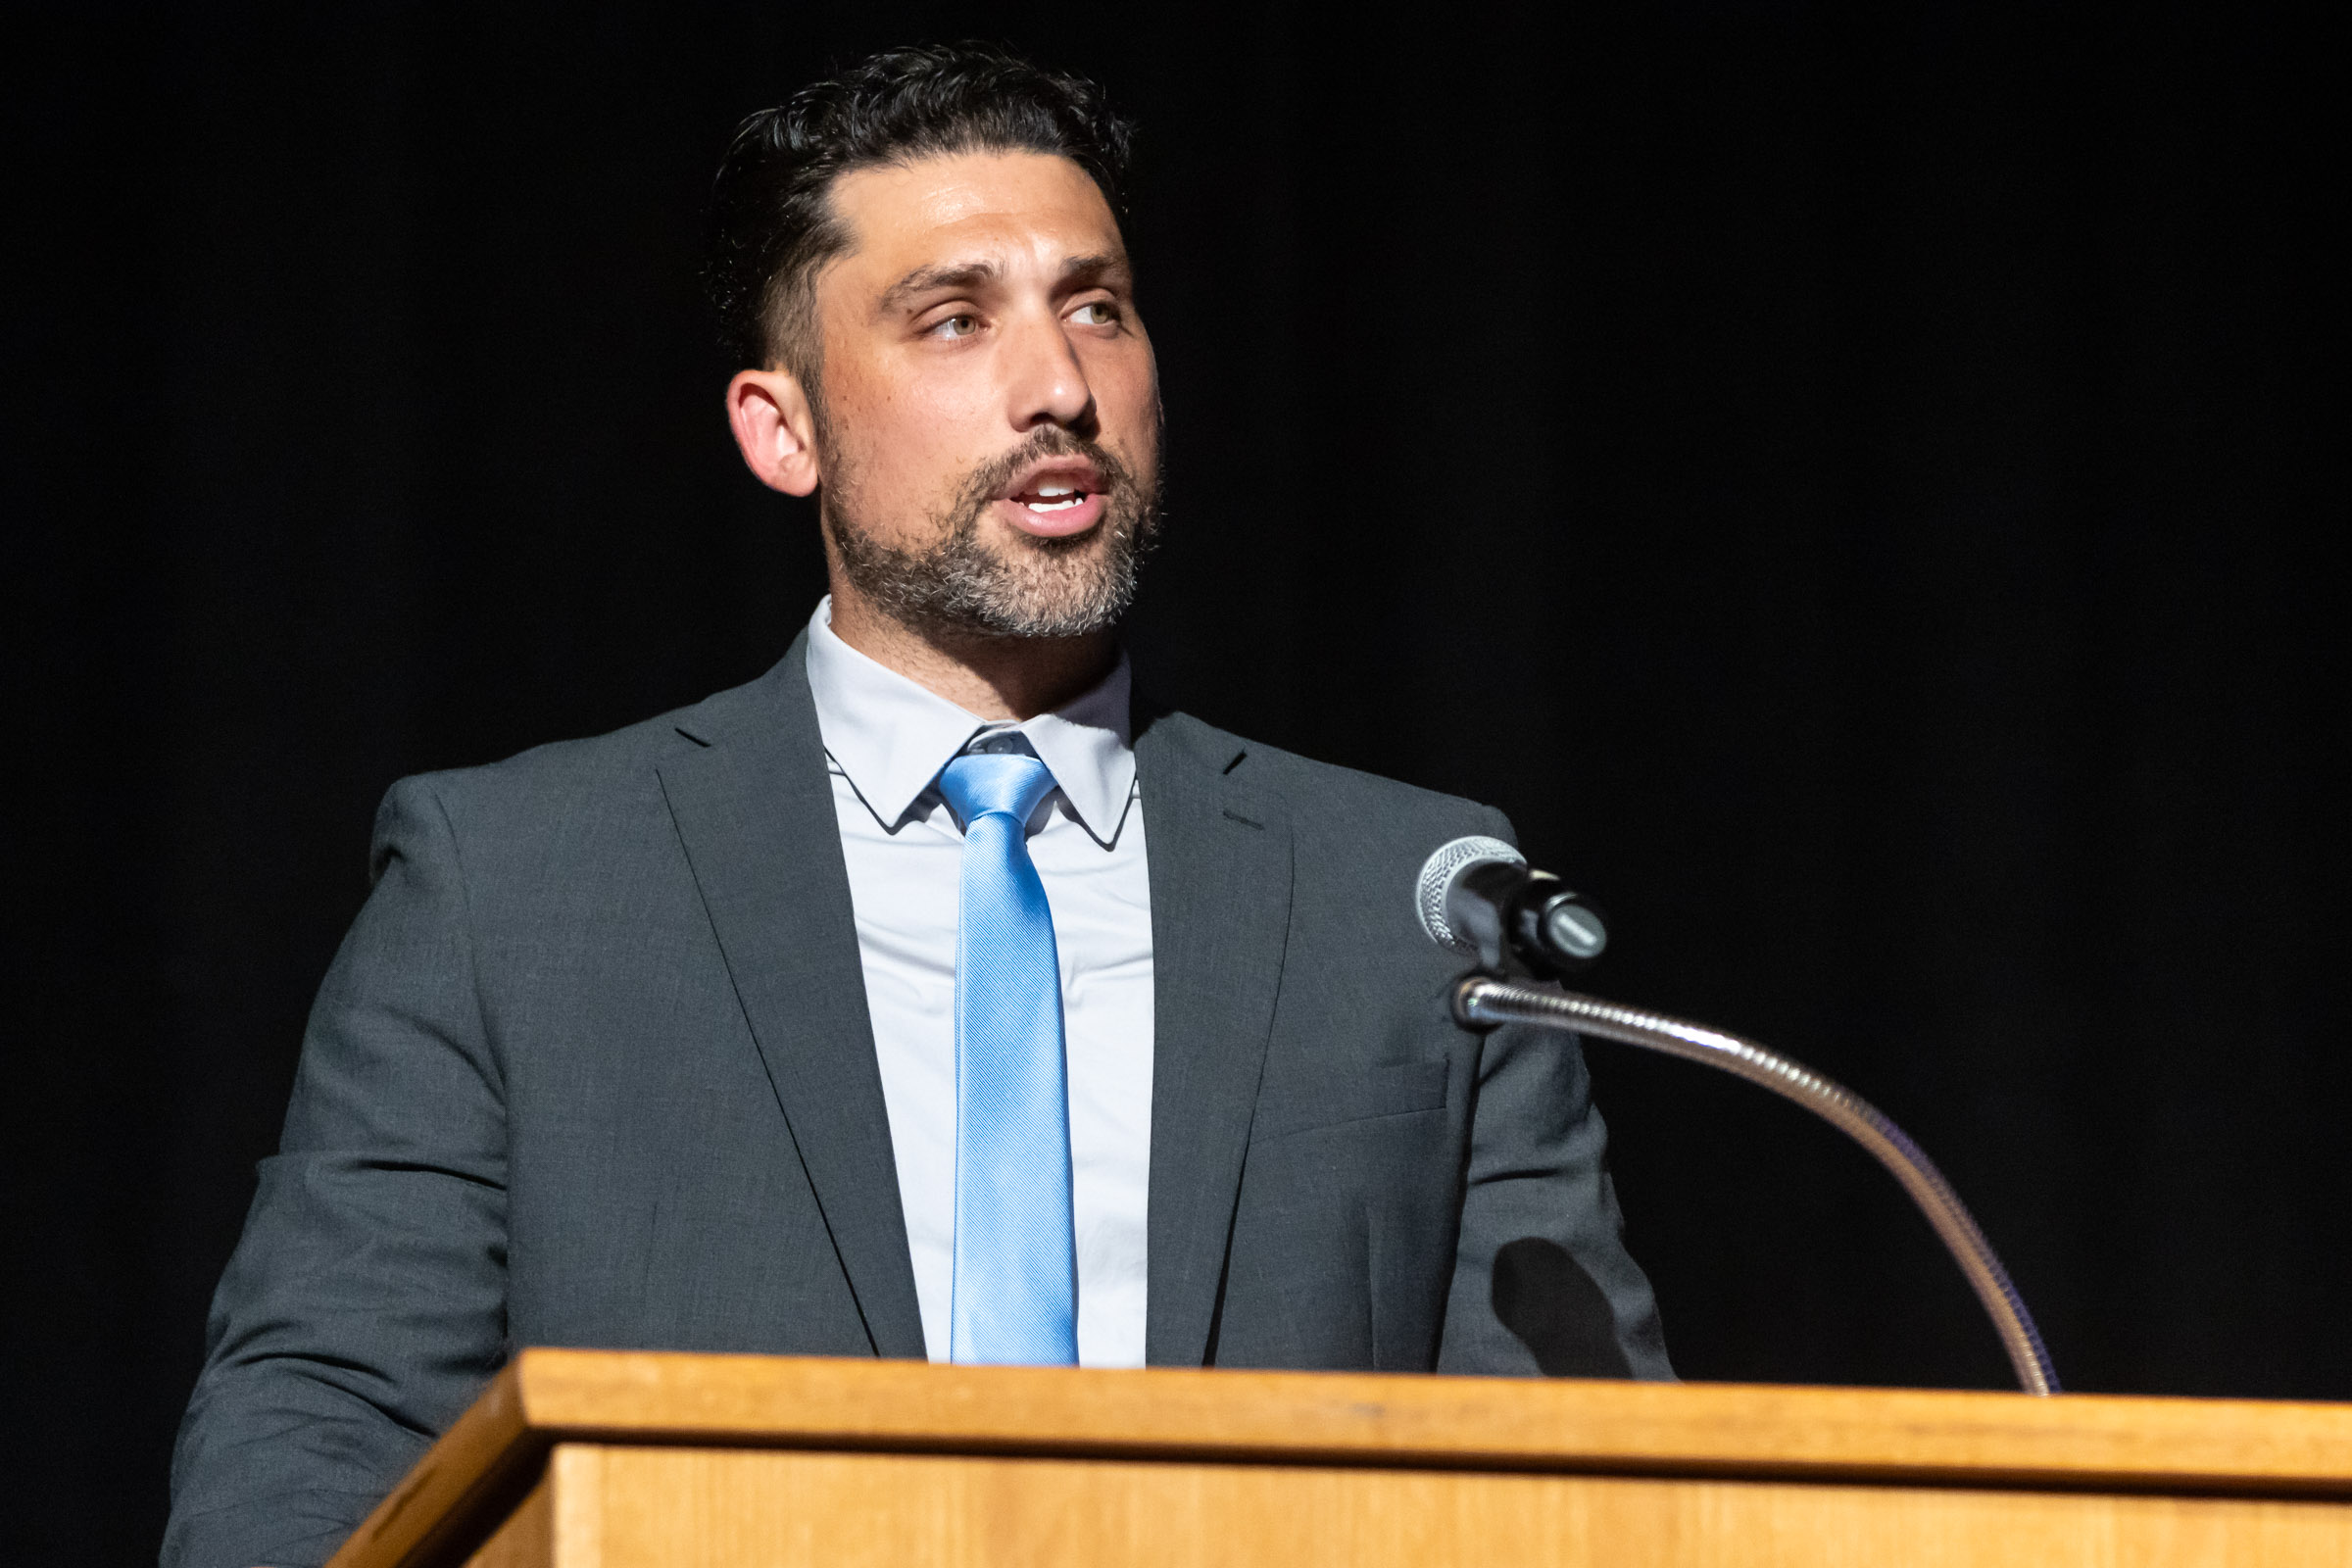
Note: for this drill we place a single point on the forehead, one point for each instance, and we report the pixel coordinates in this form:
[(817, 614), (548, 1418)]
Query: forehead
[(1002, 208)]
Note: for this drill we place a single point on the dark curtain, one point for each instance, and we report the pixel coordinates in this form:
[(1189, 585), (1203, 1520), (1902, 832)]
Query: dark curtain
[(1854, 484)]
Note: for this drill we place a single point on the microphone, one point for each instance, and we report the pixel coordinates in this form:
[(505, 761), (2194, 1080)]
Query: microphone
[(1479, 897)]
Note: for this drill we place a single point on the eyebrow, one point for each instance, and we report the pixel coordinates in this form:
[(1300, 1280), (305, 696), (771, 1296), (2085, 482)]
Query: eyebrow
[(923, 279), (1096, 268), (1090, 268)]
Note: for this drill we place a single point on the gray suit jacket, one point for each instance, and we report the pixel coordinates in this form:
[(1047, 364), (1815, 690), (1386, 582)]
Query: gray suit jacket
[(594, 1069)]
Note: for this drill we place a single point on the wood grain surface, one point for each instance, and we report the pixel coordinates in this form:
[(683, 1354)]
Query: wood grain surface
[(1208, 1423), (767, 1508)]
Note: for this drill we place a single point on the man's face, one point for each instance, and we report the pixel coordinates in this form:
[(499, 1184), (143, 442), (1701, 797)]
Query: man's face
[(988, 407)]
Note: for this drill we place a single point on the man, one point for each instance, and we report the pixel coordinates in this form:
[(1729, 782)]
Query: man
[(848, 1013)]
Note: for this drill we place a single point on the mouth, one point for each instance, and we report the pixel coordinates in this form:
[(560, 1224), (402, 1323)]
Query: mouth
[(1055, 499)]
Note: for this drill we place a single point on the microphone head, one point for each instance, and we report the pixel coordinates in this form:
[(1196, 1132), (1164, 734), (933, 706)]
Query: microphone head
[(1435, 885)]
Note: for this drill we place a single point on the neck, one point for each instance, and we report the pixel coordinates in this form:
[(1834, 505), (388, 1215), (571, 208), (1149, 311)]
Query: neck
[(988, 676)]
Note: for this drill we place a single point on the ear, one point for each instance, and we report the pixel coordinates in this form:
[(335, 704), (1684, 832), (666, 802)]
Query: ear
[(774, 429)]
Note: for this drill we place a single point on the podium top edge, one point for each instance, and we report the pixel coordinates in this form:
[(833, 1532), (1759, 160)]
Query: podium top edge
[(1723, 1431), (1423, 1420)]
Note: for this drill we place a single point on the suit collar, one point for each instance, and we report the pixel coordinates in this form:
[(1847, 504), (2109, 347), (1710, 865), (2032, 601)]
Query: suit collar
[(755, 814), (755, 817), (1220, 917)]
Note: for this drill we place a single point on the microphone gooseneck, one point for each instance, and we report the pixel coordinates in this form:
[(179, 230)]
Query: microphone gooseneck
[(1483, 1001)]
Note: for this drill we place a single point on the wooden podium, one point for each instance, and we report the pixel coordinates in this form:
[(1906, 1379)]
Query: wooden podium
[(594, 1459)]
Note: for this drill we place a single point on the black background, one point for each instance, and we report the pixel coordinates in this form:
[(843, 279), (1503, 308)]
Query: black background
[(1859, 487)]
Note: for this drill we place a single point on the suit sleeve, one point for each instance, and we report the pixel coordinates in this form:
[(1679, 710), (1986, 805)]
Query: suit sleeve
[(1543, 1284), (364, 1305)]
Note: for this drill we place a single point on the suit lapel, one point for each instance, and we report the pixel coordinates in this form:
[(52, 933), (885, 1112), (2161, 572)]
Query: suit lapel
[(754, 811), (1220, 915)]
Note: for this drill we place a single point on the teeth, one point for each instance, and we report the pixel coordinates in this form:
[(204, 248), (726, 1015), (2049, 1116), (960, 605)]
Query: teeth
[(1053, 497)]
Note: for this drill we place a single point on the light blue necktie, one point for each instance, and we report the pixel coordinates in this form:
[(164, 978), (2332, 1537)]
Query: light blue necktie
[(1015, 1293)]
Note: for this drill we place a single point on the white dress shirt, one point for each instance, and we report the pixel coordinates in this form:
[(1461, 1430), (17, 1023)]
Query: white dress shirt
[(885, 739)]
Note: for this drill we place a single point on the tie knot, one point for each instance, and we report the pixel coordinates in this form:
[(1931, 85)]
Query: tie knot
[(999, 783)]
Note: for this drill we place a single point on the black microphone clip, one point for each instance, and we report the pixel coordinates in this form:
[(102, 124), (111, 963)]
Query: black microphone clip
[(1523, 921)]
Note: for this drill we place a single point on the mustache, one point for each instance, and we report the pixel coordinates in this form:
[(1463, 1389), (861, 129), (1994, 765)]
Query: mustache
[(1047, 441)]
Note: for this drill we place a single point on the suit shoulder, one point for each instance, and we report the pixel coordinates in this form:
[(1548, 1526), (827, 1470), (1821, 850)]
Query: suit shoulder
[(558, 766), (1369, 800), (569, 773)]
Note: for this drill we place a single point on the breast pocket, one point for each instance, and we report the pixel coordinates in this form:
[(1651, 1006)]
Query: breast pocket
[(1391, 1089)]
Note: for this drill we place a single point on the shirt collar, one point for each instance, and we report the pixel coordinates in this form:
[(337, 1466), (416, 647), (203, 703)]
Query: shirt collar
[(890, 737)]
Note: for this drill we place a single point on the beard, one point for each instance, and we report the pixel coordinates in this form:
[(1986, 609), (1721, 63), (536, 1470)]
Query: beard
[(1027, 587)]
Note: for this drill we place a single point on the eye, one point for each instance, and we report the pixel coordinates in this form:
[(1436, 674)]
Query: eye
[(1095, 312), (956, 326)]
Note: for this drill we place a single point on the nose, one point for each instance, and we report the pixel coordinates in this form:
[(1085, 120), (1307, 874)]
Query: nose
[(1046, 383)]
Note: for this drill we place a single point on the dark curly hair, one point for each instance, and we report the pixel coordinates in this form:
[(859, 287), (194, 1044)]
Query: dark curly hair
[(771, 223)]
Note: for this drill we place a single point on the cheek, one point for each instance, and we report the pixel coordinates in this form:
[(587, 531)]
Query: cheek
[(906, 443), (1129, 402)]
